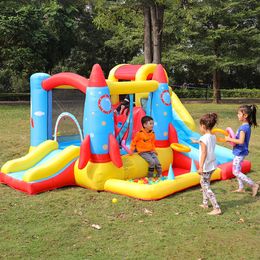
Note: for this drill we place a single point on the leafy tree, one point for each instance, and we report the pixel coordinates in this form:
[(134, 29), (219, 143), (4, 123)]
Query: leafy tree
[(35, 35), (121, 23), (219, 36), (18, 40), (137, 24), (200, 39)]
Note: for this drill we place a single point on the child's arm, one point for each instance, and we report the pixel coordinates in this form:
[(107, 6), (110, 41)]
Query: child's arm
[(241, 139), (194, 141), (133, 143), (202, 157)]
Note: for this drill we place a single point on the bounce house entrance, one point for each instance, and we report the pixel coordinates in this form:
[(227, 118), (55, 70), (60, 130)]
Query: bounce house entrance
[(67, 131), (67, 114)]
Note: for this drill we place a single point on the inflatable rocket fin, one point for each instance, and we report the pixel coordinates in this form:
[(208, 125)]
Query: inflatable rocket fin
[(85, 152), (114, 151), (173, 137)]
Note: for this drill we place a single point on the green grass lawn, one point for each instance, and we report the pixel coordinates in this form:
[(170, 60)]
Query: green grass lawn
[(57, 224)]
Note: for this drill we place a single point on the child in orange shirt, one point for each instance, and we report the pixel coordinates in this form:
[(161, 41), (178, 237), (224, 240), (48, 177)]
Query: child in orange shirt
[(144, 143)]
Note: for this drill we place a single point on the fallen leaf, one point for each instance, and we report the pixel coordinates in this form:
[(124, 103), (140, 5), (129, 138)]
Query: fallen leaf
[(121, 215), (147, 211), (96, 226), (241, 220)]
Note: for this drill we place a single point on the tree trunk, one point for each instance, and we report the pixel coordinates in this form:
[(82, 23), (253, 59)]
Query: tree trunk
[(157, 12), (216, 86), (147, 36), (216, 73)]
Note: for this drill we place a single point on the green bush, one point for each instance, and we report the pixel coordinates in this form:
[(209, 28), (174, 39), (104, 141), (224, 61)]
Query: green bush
[(14, 96), (200, 93), (225, 93), (240, 93)]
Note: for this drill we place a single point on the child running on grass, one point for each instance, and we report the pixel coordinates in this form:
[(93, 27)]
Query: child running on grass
[(144, 143), (207, 160), (247, 116)]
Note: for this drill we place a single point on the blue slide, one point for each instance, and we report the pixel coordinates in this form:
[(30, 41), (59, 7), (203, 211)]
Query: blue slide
[(223, 155)]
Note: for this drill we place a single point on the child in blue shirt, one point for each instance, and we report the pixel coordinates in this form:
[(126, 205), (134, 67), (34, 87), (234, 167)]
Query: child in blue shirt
[(247, 116)]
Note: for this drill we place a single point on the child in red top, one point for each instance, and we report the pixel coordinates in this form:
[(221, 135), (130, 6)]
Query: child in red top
[(144, 143)]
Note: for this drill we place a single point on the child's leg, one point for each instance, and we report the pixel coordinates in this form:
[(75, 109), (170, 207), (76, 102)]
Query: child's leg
[(203, 183), (148, 157), (158, 165), (241, 177), (207, 190)]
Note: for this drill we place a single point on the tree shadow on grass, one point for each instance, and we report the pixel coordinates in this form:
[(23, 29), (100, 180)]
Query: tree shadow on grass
[(244, 200), (228, 202)]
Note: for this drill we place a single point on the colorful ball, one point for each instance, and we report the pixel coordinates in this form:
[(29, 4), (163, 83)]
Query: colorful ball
[(114, 200)]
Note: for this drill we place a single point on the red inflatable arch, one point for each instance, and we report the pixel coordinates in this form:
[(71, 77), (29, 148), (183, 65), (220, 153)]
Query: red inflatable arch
[(67, 79)]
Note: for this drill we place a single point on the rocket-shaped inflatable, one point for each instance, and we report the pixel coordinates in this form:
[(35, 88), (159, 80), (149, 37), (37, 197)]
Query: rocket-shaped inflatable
[(161, 99), (99, 144)]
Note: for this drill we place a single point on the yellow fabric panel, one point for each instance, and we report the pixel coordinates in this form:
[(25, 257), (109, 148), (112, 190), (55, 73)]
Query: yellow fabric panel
[(114, 99), (65, 87), (94, 175), (165, 156), (182, 112), (30, 159), (138, 97), (136, 167), (158, 190), (130, 87), (53, 165)]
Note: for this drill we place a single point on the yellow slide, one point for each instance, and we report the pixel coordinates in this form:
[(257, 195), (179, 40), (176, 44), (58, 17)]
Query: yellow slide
[(30, 159), (42, 162), (177, 105), (182, 111)]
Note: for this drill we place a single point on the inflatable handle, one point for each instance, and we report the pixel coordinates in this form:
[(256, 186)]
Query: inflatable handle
[(126, 148), (180, 147), (231, 134), (220, 131)]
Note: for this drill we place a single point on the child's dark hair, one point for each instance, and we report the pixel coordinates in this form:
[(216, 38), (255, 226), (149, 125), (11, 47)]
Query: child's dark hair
[(250, 111), (209, 120), (146, 119)]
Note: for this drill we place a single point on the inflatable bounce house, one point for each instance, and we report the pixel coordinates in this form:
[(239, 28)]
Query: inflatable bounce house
[(95, 155)]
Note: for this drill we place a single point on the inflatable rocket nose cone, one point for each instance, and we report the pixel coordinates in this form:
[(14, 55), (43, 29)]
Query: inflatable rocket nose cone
[(160, 75), (97, 78)]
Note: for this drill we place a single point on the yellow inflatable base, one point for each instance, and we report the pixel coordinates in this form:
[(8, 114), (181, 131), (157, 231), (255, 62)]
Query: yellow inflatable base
[(95, 175), (158, 190)]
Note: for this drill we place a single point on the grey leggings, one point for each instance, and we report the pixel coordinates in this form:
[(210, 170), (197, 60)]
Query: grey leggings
[(153, 162), (206, 190)]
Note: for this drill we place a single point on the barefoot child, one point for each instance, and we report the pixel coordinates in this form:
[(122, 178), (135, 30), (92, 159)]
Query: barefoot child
[(207, 160), (247, 116), (144, 142)]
